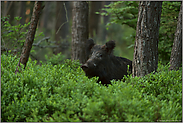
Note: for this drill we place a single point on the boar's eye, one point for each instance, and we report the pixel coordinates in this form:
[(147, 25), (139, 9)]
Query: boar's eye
[(99, 55)]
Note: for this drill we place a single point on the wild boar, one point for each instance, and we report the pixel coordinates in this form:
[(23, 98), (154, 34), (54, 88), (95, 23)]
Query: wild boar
[(103, 64)]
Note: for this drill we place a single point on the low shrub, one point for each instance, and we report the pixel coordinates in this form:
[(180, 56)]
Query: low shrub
[(163, 84), (62, 93)]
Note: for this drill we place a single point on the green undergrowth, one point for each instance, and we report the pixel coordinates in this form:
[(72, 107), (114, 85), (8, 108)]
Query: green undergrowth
[(62, 93)]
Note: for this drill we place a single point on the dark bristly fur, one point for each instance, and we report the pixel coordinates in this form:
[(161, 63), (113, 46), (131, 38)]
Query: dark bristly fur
[(103, 64)]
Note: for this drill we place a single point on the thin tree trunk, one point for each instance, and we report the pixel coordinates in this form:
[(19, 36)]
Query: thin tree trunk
[(30, 35), (79, 30), (4, 8), (147, 35), (94, 18), (22, 12), (11, 11), (62, 24), (45, 18), (176, 54), (46, 14), (60, 19), (106, 20)]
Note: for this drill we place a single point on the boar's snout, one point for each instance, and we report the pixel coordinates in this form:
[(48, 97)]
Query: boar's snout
[(84, 67), (89, 66)]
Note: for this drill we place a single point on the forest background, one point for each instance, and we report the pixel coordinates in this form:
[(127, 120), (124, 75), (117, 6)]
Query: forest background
[(107, 21), (53, 88)]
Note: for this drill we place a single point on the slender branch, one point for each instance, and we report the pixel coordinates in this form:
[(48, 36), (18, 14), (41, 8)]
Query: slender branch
[(48, 46), (46, 38), (66, 19)]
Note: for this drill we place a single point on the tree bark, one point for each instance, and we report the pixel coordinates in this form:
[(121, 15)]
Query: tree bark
[(30, 35), (94, 18), (79, 30), (176, 54), (147, 35)]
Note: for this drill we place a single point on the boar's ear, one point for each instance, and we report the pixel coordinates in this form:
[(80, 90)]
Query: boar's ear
[(89, 44), (109, 46)]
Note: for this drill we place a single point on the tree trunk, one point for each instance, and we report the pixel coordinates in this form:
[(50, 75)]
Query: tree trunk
[(45, 18), (60, 19), (79, 30), (94, 18), (62, 24), (22, 12), (11, 11), (145, 58), (4, 7), (30, 35), (176, 54), (106, 20)]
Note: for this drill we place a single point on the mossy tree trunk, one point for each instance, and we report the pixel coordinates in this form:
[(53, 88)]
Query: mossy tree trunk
[(147, 35), (176, 54), (30, 35), (79, 30)]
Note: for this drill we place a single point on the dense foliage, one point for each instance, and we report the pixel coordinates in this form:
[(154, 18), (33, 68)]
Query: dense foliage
[(59, 91), (126, 13), (168, 25), (62, 93), (122, 12), (13, 36)]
